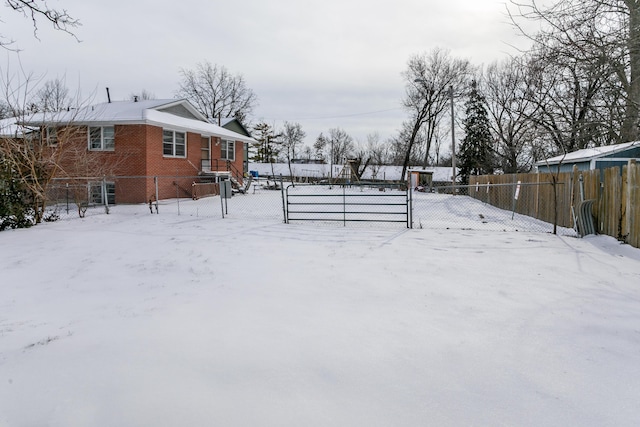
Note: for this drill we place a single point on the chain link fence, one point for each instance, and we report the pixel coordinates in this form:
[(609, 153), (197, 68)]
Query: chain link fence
[(492, 208), (445, 207), (195, 196)]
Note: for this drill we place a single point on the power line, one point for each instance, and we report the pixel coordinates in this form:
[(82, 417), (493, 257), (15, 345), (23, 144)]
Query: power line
[(334, 117)]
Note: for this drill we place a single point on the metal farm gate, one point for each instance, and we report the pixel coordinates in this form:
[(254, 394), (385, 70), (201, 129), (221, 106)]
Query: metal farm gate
[(389, 203)]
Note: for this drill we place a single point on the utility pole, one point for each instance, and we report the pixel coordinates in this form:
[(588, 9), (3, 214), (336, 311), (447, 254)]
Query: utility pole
[(453, 142)]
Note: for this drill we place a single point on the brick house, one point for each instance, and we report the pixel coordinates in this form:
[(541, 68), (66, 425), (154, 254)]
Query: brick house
[(234, 125), (145, 149)]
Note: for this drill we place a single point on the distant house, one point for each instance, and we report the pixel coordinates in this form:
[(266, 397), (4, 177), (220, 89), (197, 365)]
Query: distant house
[(10, 129), (146, 139), (592, 158), (439, 175)]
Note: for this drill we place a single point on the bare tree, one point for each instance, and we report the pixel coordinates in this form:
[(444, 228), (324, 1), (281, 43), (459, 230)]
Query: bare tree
[(398, 144), (334, 147), (509, 106), (429, 77), (378, 153), (442, 139), (216, 92), (5, 110), (602, 33), (307, 153), (320, 148), (571, 108), (35, 160), (142, 95), (39, 10), (52, 96), (379, 150), (343, 144), (292, 138), (45, 146)]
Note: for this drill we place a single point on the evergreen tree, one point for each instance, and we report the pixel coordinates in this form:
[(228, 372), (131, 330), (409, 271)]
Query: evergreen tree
[(476, 155), (15, 210), (268, 146)]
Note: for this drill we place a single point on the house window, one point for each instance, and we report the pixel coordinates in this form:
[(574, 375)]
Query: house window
[(99, 192), (228, 150), (205, 156), (101, 138), (174, 144), (52, 135)]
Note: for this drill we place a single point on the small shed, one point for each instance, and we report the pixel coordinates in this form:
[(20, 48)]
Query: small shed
[(592, 158), (421, 179)]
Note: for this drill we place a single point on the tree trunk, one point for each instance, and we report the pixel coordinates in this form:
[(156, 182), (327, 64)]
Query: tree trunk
[(414, 133), (630, 130), (407, 157)]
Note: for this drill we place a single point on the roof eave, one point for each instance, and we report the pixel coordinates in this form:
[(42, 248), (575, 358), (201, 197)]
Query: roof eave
[(187, 104), (560, 159)]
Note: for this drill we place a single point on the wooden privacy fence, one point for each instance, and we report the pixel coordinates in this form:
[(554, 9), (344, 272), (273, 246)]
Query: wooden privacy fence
[(554, 198)]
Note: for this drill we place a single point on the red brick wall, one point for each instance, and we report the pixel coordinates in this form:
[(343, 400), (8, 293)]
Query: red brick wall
[(130, 146), (238, 163), (172, 171), (138, 157), (222, 164)]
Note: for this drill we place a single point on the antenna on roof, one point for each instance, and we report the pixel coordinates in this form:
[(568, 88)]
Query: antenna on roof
[(108, 96)]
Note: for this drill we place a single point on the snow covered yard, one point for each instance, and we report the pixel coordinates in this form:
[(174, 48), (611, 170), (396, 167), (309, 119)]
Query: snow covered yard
[(165, 320)]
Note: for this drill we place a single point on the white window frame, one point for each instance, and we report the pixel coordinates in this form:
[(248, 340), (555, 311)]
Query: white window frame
[(227, 145), (205, 163), (169, 140), (97, 195), (107, 142), (51, 133)]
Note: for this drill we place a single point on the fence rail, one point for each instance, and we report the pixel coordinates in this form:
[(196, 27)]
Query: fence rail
[(344, 204)]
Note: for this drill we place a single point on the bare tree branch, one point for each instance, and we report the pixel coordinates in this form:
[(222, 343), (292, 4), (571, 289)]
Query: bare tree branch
[(427, 81), (216, 93), (598, 34), (37, 10)]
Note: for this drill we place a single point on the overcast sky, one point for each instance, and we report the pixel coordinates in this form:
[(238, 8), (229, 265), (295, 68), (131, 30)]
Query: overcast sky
[(324, 64)]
